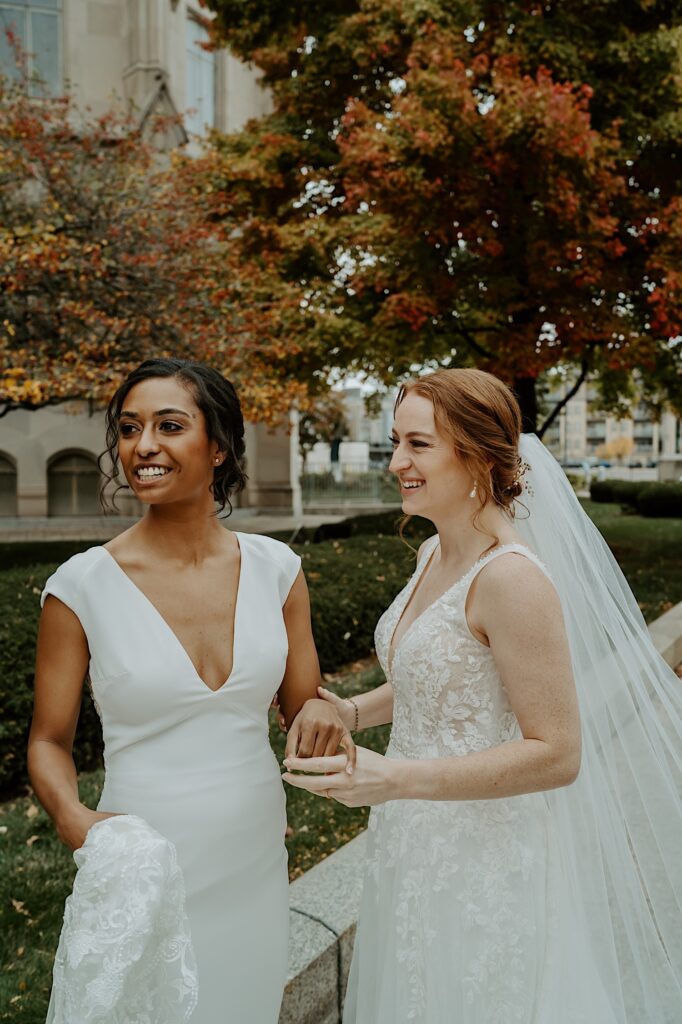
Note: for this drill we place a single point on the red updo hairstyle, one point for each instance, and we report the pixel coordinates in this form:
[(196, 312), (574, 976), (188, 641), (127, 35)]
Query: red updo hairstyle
[(483, 418)]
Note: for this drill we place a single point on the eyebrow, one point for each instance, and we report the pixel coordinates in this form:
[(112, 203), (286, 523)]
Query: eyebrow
[(161, 412), (415, 433)]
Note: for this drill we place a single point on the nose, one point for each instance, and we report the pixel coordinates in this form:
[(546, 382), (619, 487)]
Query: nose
[(147, 443), (400, 460)]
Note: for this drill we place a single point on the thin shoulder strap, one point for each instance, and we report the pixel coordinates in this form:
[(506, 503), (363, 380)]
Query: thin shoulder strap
[(429, 547), (504, 549)]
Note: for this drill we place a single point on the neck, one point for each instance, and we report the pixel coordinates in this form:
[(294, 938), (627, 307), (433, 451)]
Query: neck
[(463, 542), (182, 533)]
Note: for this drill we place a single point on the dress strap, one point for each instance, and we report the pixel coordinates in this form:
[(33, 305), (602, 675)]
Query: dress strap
[(504, 549), (430, 545)]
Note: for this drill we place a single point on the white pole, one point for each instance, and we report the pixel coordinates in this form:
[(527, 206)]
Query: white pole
[(296, 496)]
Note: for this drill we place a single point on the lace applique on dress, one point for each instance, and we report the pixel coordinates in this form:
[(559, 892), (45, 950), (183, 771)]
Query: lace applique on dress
[(454, 886), (125, 952)]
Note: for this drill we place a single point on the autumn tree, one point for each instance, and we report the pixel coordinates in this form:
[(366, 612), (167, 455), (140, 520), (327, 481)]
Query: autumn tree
[(107, 257), (446, 183), (617, 448)]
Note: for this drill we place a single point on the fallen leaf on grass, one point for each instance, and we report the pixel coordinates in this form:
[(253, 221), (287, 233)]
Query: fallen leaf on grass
[(19, 906), (31, 840), (32, 811)]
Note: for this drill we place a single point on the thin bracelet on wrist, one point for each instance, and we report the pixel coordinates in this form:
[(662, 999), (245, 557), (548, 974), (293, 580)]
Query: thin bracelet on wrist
[(357, 713)]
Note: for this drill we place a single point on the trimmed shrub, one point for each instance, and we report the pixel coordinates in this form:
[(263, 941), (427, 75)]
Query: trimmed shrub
[(40, 552), (623, 492), (661, 500), (602, 491), (626, 492), (20, 609)]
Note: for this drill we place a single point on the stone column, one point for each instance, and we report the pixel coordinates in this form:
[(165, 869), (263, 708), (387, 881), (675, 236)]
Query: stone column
[(268, 465), (668, 433)]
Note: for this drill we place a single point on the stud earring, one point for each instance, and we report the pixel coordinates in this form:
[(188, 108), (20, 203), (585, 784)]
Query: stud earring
[(217, 462), (472, 492)]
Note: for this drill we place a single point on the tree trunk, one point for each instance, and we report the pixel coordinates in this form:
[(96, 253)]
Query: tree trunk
[(524, 389)]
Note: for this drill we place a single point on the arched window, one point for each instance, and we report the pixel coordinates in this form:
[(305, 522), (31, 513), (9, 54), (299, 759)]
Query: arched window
[(8, 487), (73, 482)]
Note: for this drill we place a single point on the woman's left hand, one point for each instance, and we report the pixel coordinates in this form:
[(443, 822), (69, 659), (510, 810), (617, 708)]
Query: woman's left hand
[(374, 780), (316, 732)]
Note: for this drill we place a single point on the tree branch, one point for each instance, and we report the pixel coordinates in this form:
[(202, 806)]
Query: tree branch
[(471, 341), (8, 407), (584, 370)]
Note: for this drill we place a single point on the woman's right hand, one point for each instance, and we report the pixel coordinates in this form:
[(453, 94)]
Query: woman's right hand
[(341, 705), (73, 827)]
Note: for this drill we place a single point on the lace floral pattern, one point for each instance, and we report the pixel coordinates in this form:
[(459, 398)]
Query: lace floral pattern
[(125, 952), (467, 867)]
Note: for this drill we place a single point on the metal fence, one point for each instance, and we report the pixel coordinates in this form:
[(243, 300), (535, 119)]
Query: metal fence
[(349, 485)]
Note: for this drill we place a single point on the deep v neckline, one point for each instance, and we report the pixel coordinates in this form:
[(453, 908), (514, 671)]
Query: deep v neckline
[(416, 579), (176, 639), (392, 650)]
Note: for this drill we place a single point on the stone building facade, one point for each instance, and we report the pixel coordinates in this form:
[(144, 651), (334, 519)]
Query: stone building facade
[(145, 55)]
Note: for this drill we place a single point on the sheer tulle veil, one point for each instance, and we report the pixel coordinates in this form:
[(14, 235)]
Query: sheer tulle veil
[(619, 826)]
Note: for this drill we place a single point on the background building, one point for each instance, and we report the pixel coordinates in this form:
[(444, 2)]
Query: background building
[(582, 431), (146, 55)]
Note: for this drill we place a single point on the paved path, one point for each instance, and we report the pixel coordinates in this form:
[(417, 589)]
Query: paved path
[(97, 528)]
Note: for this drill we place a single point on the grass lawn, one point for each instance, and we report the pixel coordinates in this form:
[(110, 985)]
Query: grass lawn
[(649, 551), (36, 871)]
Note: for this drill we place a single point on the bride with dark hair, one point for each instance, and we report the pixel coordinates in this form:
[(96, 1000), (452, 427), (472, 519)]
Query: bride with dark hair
[(524, 846), (186, 631)]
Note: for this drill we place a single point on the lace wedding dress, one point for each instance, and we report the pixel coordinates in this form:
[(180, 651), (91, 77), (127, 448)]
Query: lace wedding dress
[(197, 766), (465, 917)]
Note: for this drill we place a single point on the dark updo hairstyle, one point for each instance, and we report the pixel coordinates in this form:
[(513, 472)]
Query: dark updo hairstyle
[(217, 399)]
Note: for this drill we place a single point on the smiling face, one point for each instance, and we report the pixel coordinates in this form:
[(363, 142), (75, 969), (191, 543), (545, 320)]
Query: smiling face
[(432, 478), (163, 444)]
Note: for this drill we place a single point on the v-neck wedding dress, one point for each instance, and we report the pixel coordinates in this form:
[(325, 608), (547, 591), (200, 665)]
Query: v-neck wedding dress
[(196, 763), (465, 915)]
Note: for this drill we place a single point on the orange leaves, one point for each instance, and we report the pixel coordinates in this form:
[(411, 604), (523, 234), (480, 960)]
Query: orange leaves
[(105, 259)]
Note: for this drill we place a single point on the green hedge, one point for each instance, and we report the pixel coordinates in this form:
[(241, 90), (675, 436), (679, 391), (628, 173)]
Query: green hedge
[(624, 492), (19, 612), (646, 496), (661, 500), (351, 580)]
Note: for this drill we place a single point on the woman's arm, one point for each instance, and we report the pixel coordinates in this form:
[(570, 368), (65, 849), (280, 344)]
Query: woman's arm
[(61, 666), (518, 610), (375, 707), (314, 727)]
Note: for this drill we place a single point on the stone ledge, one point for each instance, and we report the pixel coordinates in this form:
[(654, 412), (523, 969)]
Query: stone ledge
[(324, 901), (323, 911)]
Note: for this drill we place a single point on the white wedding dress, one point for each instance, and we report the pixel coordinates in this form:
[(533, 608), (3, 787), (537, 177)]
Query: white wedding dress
[(196, 764), (465, 915)]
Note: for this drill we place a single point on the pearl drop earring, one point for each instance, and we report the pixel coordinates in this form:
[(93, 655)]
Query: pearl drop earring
[(472, 492)]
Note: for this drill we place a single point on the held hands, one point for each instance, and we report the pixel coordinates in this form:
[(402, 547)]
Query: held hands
[(318, 732), (374, 781)]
